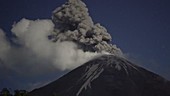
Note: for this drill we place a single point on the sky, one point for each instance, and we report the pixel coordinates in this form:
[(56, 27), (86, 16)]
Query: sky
[(141, 28)]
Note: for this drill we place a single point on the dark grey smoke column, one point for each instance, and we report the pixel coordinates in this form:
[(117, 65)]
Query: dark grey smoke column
[(73, 23)]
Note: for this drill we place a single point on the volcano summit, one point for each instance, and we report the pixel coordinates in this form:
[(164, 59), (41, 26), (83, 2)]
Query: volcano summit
[(107, 76)]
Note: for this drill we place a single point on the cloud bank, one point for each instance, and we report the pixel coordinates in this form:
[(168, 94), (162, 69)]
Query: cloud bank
[(36, 53), (35, 47)]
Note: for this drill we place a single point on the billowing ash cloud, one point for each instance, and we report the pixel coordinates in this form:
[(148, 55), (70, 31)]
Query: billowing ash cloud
[(73, 23), (42, 46)]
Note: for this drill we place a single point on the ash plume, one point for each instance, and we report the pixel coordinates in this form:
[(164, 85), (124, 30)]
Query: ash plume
[(73, 23)]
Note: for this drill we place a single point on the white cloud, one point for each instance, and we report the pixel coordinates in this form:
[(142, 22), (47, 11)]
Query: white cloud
[(38, 55)]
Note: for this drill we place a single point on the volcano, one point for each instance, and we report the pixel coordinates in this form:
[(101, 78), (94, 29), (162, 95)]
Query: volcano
[(107, 75)]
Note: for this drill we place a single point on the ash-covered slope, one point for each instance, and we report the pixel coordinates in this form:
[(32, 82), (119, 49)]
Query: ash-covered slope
[(107, 76)]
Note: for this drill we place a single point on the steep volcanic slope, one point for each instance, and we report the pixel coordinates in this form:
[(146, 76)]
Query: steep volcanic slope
[(107, 76)]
